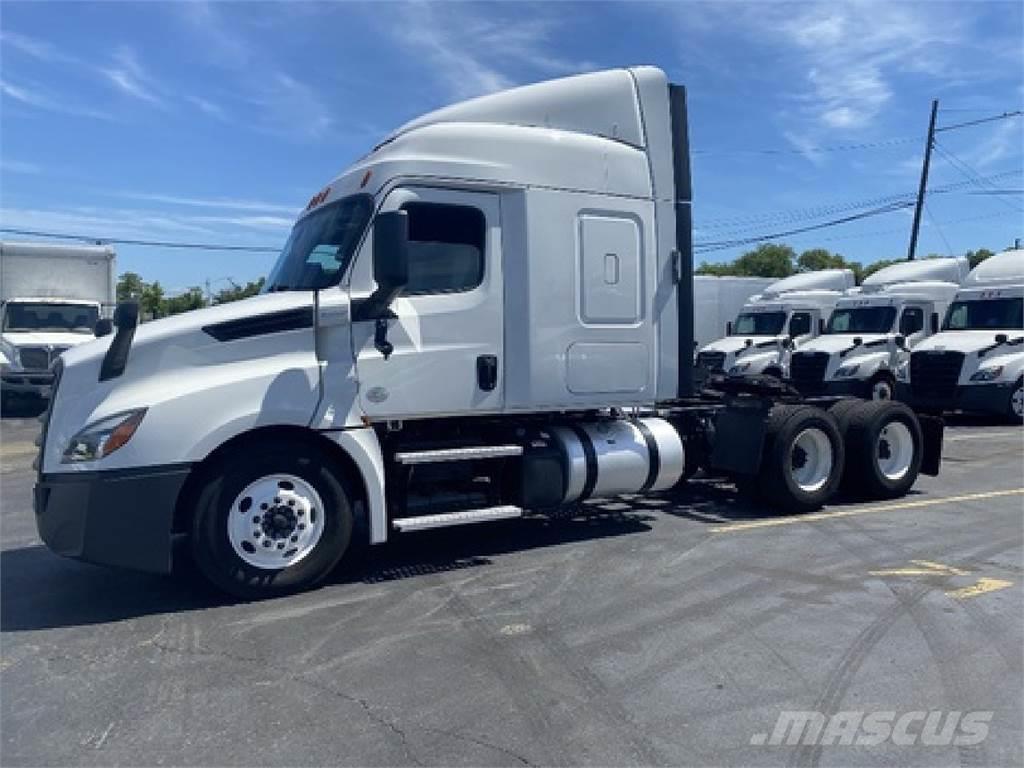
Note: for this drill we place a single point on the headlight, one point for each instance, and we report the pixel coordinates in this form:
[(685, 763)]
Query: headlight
[(103, 437), (987, 374), (847, 371), (739, 368)]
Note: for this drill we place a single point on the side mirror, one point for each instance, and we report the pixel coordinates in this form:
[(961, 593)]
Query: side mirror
[(104, 327), (1002, 338), (728, 327), (789, 344), (126, 315), (390, 263), (901, 341), (748, 343)]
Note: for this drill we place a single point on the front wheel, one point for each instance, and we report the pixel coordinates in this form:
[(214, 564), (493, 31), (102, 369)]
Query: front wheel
[(1015, 408), (273, 520)]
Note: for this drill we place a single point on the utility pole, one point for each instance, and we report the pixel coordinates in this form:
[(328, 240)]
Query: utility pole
[(929, 144)]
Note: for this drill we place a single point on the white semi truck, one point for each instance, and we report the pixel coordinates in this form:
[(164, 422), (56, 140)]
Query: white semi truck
[(716, 302), (489, 315), (976, 363), (52, 297), (873, 328), (786, 315)]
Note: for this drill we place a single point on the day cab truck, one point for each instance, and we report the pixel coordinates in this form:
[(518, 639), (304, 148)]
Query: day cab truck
[(52, 297), (786, 315), (976, 363), (489, 315), (873, 328)]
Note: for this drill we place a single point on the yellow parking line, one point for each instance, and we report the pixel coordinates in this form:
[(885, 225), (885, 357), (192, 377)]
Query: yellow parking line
[(822, 516), (980, 588)]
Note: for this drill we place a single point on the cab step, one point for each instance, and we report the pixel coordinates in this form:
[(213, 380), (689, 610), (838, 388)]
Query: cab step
[(485, 515), (458, 454)]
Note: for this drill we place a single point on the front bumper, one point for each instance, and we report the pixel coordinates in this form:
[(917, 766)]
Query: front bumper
[(983, 398), (39, 384), (120, 518)]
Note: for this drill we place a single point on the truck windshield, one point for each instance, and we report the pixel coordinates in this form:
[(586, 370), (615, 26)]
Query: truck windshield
[(320, 246), (861, 320), (759, 324), (985, 314), (46, 316)]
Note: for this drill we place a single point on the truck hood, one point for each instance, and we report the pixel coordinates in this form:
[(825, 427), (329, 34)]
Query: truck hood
[(45, 338), (837, 342), (966, 341), (733, 344)]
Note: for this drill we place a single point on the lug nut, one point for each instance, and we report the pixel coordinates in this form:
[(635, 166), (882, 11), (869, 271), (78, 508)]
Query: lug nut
[(302, 526), (291, 502), (295, 538), (263, 506), (266, 543), (280, 545), (256, 519)]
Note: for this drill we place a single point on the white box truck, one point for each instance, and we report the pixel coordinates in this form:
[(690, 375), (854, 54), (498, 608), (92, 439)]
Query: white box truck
[(873, 328), (787, 314), (51, 297), (976, 363), (490, 315)]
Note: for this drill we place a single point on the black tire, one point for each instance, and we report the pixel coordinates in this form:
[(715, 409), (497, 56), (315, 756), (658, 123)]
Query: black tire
[(840, 411), (1016, 395), (866, 448), (212, 548), (776, 481), (879, 380)]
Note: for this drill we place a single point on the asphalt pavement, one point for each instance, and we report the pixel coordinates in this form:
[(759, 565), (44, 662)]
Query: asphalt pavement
[(669, 630)]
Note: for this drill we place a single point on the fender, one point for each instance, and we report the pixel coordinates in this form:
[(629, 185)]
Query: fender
[(363, 447)]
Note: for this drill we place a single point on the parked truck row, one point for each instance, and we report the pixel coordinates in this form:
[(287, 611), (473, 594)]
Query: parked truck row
[(488, 316)]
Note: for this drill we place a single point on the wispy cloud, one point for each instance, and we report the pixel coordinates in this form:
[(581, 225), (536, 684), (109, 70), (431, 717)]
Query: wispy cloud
[(214, 203), (129, 77), (35, 96), (472, 54), (208, 107), (7, 165), (41, 50)]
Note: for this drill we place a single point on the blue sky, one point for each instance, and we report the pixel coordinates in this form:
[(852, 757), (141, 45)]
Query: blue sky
[(216, 122)]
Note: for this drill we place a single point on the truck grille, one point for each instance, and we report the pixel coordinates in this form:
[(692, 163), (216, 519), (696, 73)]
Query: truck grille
[(807, 371), (711, 361), (39, 358), (35, 358), (935, 374)]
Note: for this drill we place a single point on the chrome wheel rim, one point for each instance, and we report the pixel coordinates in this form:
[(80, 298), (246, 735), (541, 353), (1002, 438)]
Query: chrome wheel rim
[(1017, 402), (811, 460), (894, 450), (275, 521)]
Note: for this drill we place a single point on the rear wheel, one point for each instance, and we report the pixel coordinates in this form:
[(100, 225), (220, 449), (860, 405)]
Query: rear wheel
[(883, 450), (272, 520), (841, 410), (803, 458)]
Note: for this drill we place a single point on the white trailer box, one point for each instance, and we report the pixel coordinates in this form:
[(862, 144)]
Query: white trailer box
[(976, 363), (51, 296), (873, 329), (717, 300)]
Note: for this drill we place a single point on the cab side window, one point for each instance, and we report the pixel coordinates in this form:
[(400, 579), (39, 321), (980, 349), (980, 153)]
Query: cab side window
[(912, 321), (800, 324), (446, 248)]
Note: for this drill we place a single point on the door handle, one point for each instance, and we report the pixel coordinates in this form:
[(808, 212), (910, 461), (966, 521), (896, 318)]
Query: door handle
[(487, 372)]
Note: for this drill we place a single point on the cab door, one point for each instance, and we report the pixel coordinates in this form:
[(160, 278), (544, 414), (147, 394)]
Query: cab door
[(447, 333)]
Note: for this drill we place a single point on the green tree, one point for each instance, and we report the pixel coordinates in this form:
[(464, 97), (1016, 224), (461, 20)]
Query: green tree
[(152, 299), (817, 259), (978, 256), (191, 299), (236, 292), (767, 260), (130, 286)]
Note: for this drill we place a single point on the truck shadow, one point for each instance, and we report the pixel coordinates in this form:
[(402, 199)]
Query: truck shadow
[(40, 590)]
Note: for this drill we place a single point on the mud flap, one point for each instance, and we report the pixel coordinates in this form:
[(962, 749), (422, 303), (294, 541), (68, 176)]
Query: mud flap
[(932, 428), (739, 437)]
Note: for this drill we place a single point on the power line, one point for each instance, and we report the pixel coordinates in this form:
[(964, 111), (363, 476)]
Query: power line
[(993, 118), (808, 150), (148, 243), (972, 175), (708, 247), (928, 210)]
